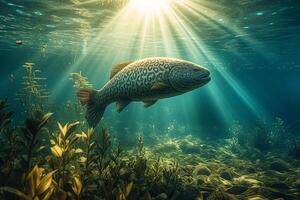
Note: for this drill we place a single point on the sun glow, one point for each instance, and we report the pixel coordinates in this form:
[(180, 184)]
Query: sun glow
[(149, 6)]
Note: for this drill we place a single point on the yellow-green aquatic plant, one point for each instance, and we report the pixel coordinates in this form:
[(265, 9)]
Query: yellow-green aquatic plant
[(156, 172), (278, 134), (76, 186), (110, 168), (88, 158), (261, 137), (123, 192), (64, 152), (140, 162), (140, 145), (31, 132), (5, 116), (238, 136), (8, 142), (37, 186), (33, 93), (294, 146), (103, 150), (80, 81), (171, 178)]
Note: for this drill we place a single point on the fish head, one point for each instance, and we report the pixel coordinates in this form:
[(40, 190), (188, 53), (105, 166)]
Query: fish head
[(185, 76)]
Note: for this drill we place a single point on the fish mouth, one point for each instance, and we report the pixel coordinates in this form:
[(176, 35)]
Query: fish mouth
[(204, 78)]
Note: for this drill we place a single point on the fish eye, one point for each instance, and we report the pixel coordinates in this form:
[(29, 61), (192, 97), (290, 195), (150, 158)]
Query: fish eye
[(195, 70)]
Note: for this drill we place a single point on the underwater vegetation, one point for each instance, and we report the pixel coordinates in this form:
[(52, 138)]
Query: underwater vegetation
[(34, 91), (53, 154)]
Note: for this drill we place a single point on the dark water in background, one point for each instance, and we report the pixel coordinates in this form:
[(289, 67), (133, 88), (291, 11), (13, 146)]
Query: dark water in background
[(60, 37)]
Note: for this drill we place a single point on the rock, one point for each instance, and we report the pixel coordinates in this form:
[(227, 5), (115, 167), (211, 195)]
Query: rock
[(226, 175), (248, 181), (189, 192), (251, 169), (189, 148), (204, 194), (201, 170), (199, 181), (237, 189), (256, 197), (267, 192), (161, 196), (221, 195), (216, 181), (296, 183), (188, 168), (279, 166), (166, 148), (279, 185)]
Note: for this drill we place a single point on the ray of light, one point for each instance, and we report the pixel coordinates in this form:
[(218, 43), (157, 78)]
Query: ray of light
[(172, 34), (198, 47)]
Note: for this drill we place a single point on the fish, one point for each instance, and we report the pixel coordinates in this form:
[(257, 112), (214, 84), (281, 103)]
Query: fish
[(19, 42), (146, 80)]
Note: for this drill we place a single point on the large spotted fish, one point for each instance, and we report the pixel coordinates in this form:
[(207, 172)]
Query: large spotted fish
[(144, 80)]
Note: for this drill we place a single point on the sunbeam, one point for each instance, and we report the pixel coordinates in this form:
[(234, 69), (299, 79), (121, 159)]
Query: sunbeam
[(167, 26)]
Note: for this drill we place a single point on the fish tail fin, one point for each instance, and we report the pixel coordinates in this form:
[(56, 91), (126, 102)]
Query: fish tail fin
[(95, 109)]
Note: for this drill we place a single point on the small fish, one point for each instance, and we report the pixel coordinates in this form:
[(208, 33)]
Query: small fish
[(144, 80), (19, 42)]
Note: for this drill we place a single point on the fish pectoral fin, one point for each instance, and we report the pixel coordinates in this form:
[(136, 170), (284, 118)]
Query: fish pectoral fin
[(121, 104), (149, 103), (160, 86)]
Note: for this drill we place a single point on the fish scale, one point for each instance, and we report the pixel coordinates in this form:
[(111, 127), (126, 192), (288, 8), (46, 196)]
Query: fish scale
[(145, 80)]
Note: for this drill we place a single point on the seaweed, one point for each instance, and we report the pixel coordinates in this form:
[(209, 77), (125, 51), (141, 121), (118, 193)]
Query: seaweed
[(109, 167), (34, 94), (294, 147), (140, 162), (64, 152), (80, 81), (171, 177), (238, 136), (37, 186), (8, 142), (261, 137), (79, 163), (103, 151), (88, 159), (77, 187), (30, 141), (5, 116), (74, 111), (278, 134)]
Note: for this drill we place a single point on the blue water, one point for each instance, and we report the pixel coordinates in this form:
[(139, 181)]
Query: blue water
[(237, 137), (251, 48)]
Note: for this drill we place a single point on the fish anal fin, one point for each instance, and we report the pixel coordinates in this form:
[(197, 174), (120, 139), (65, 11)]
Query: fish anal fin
[(115, 69), (149, 103), (160, 86), (121, 104)]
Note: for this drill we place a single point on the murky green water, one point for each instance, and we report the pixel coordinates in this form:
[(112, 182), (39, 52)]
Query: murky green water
[(236, 137)]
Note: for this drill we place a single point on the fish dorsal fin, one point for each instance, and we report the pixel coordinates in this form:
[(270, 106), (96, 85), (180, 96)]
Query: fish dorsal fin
[(118, 68)]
